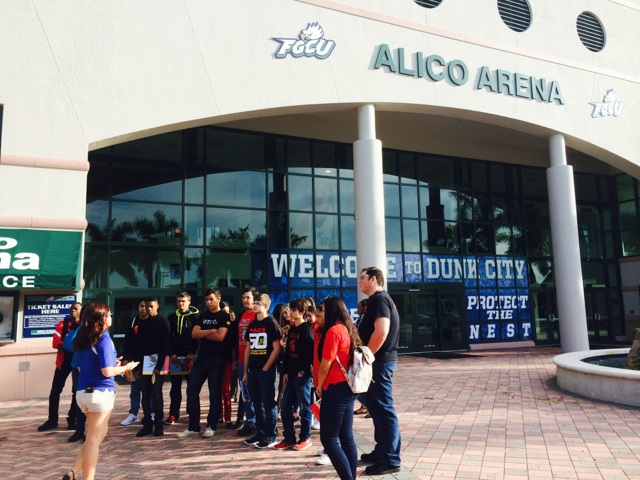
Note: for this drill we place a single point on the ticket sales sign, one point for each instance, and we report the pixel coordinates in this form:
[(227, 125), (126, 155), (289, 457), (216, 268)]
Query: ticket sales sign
[(39, 259)]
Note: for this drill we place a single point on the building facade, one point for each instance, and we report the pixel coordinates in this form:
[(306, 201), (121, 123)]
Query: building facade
[(483, 156)]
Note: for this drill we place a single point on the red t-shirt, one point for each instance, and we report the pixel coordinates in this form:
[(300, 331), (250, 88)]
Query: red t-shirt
[(243, 323), (336, 343)]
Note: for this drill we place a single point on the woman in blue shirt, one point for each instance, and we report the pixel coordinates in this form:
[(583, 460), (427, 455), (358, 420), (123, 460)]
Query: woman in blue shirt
[(96, 392)]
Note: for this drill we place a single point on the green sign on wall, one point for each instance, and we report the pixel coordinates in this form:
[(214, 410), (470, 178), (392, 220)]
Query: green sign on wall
[(39, 259)]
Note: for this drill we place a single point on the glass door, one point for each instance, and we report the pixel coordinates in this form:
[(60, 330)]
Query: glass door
[(545, 313), (597, 309), (430, 320)]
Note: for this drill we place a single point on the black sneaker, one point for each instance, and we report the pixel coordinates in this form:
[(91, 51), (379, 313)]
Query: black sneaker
[(369, 457), (247, 430), (237, 425), (144, 431), (380, 469), (48, 425), (265, 444), (71, 425), (158, 431), (252, 440), (76, 436)]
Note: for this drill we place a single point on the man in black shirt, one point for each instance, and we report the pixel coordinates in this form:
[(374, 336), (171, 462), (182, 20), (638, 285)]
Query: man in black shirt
[(211, 329), (152, 339), (379, 329)]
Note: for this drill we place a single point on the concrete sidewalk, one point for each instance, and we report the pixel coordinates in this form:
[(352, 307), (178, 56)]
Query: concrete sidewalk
[(478, 415)]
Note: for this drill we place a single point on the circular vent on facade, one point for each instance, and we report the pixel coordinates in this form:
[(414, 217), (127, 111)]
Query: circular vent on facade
[(516, 14), (590, 31), (428, 3)]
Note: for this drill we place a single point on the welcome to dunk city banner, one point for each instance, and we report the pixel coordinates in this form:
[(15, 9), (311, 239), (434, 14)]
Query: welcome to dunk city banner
[(496, 288)]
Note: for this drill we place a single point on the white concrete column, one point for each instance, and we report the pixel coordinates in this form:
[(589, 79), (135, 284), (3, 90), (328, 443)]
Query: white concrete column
[(371, 245), (574, 336)]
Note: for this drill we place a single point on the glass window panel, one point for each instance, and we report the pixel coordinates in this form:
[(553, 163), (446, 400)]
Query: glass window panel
[(590, 243), (630, 242), (628, 215), (540, 271), (438, 204), (299, 156), (146, 223), (467, 238), (301, 230), (347, 201), (536, 213), (394, 238), (193, 273), (407, 168), (501, 210), (436, 172), (194, 187), (278, 190), (612, 270), (98, 180), (235, 228), (409, 201), (593, 273), (145, 268), (586, 187), (498, 175), (348, 232), (389, 166), (391, 200), (245, 151), (98, 221), (324, 159), (588, 217), (534, 181), (95, 267), (326, 195), (538, 241), (440, 237), (479, 177), (474, 208), (194, 231), (504, 240), (327, 232), (345, 161), (229, 269), (518, 240), (605, 189), (237, 189), (411, 235), (607, 218), (148, 183), (166, 147), (300, 193), (609, 245), (625, 188)]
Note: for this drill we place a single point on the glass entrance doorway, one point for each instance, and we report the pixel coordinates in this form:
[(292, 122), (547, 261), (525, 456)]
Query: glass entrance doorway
[(545, 312), (431, 319)]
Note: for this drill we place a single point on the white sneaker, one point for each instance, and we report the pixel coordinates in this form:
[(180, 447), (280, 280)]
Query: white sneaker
[(153, 417), (187, 433), (323, 460), (315, 424), (131, 419), (208, 433), (320, 452)]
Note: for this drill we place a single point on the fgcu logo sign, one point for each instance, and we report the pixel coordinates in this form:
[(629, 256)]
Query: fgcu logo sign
[(309, 43), (610, 106)]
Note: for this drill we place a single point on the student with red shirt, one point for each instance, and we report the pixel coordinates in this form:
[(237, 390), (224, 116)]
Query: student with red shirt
[(339, 338)]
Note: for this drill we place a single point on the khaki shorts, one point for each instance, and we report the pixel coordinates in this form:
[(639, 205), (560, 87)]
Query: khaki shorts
[(96, 401)]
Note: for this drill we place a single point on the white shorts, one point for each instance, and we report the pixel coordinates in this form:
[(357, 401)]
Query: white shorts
[(96, 401)]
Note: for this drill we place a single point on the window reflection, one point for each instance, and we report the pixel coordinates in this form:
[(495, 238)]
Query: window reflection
[(326, 232), (300, 193), (144, 268), (300, 234), (393, 234), (147, 183), (326, 195), (391, 200), (348, 232), (233, 227), (237, 189), (147, 223)]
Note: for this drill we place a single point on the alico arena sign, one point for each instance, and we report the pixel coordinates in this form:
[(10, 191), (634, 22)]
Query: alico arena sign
[(436, 68)]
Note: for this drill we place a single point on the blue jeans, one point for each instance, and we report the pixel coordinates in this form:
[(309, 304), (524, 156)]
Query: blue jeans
[(263, 393), (336, 432), (297, 392), (210, 370), (379, 402), (245, 407), (134, 397)]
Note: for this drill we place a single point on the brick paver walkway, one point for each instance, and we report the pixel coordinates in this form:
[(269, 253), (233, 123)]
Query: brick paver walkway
[(486, 415)]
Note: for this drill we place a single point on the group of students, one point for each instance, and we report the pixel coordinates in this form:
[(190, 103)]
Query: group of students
[(308, 355)]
